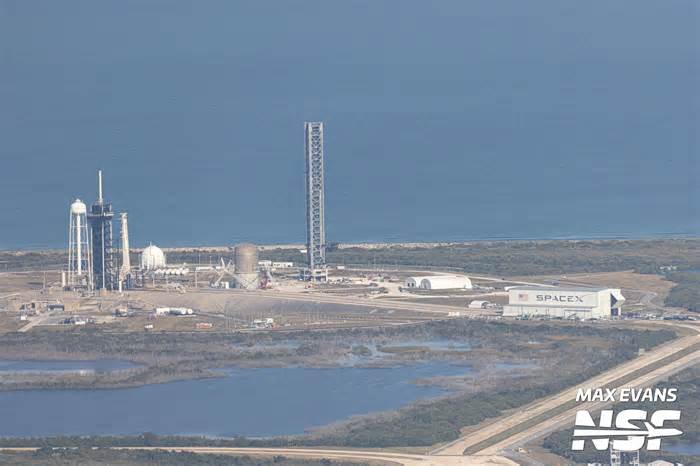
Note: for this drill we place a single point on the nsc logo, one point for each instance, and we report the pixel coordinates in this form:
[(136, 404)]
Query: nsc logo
[(626, 436)]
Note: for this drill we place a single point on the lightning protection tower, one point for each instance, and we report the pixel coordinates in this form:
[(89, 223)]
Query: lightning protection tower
[(79, 263), (315, 224), (100, 217)]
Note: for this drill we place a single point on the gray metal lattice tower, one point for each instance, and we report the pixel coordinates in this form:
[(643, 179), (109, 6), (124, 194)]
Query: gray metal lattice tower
[(315, 225), (100, 218)]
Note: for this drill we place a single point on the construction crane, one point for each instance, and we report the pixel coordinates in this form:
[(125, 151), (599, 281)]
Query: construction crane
[(225, 270)]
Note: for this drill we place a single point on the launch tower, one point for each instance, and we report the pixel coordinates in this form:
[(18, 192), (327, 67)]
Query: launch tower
[(100, 218)]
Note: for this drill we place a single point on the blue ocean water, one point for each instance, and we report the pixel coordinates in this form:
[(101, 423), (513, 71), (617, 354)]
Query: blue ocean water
[(444, 120)]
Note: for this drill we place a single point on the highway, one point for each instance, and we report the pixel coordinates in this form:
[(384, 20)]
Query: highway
[(386, 457), (373, 456)]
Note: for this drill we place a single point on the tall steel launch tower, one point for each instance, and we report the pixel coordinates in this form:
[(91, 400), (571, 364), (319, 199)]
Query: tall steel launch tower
[(100, 218), (315, 224)]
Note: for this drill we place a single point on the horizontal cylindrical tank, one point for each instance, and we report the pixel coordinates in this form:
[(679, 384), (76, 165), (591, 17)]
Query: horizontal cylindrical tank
[(245, 258)]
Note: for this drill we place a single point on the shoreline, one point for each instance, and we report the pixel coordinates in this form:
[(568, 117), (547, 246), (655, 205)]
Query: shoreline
[(123, 379), (369, 245)]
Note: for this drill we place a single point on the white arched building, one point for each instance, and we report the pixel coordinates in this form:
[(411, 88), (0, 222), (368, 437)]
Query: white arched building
[(440, 282), (446, 282), (152, 258), (413, 282)]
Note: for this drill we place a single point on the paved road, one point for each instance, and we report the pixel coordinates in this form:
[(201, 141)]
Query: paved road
[(381, 456), (375, 456)]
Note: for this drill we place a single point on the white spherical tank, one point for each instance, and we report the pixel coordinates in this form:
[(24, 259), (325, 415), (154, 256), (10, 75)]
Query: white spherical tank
[(78, 207), (152, 258)]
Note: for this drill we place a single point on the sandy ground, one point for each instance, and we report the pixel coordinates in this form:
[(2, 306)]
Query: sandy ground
[(225, 310)]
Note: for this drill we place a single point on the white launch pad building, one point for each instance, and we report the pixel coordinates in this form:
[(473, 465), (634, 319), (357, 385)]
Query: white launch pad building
[(564, 302)]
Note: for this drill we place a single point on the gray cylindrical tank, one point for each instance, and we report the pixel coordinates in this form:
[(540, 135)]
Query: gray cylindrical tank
[(245, 258)]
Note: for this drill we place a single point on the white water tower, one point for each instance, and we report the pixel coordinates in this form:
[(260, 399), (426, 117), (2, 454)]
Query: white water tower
[(79, 263)]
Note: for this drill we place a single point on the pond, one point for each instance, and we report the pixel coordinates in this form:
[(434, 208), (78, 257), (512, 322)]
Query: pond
[(251, 402)]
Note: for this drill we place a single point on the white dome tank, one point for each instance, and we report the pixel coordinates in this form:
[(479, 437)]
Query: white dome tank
[(152, 257), (78, 207)]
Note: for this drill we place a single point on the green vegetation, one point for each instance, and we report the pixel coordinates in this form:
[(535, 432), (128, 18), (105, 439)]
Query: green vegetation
[(32, 260), (89, 455), (38, 260), (361, 350), (403, 349), (493, 257), (511, 258), (688, 384), (686, 292)]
